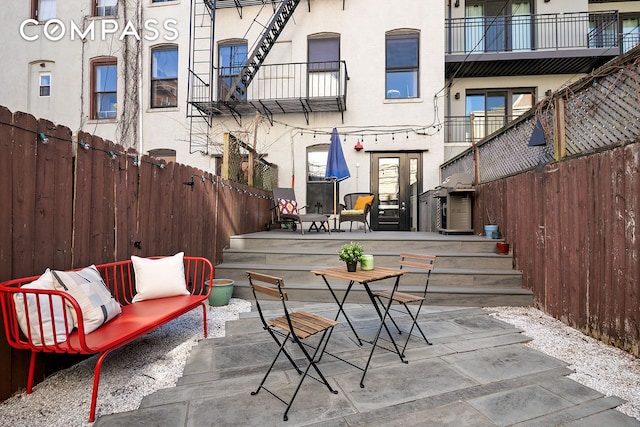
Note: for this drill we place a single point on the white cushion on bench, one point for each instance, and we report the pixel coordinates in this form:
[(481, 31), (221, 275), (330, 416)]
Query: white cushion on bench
[(48, 318), (89, 290), (159, 278)]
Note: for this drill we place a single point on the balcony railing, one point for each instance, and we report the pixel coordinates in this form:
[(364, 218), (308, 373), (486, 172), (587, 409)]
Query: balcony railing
[(521, 33), (301, 87), (462, 129)]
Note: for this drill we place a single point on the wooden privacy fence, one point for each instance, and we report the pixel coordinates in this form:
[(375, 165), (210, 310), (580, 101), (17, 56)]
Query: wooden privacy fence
[(568, 200), (71, 202)]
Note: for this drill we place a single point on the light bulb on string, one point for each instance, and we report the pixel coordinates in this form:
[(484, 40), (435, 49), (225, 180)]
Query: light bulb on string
[(112, 155), (43, 138)]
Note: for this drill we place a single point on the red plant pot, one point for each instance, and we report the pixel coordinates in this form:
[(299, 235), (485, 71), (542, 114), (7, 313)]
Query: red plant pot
[(502, 248)]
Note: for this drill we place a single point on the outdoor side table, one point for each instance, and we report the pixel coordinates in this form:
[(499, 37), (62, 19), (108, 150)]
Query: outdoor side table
[(364, 278)]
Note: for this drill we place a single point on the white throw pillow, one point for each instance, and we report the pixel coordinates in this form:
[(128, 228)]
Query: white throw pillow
[(49, 318), (89, 290), (159, 278)]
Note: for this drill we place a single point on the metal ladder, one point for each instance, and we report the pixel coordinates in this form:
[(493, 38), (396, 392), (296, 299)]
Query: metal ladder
[(264, 45)]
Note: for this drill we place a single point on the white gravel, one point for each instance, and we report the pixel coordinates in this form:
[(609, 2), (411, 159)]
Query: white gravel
[(156, 361), (153, 362), (607, 369)]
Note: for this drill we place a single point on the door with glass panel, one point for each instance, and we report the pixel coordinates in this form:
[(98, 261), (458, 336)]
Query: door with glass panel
[(498, 26), (489, 110), (319, 190), (396, 183), (630, 32)]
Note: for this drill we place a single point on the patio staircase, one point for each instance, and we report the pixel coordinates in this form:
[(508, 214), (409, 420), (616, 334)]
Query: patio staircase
[(468, 271)]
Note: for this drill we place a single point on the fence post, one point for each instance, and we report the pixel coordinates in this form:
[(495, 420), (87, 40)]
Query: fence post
[(559, 136), (225, 156)]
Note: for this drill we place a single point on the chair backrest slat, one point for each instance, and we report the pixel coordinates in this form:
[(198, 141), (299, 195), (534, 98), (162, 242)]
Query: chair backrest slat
[(269, 291), (425, 262), (267, 279)]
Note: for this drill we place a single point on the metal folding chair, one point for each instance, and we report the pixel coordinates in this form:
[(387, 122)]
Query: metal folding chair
[(291, 327), (421, 262)]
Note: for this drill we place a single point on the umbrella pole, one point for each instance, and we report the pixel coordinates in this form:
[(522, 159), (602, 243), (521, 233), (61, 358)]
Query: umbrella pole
[(334, 206)]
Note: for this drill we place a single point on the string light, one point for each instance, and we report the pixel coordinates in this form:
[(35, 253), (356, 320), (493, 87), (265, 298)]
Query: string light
[(112, 155), (84, 146), (43, 138), (160, 165)]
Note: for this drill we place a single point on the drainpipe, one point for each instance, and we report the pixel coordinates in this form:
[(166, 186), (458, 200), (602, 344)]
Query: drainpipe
[(448, 90), (140, 76)]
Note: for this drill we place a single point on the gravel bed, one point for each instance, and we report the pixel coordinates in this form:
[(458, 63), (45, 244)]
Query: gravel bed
[(607, 369), (152, 362), (156, 361)]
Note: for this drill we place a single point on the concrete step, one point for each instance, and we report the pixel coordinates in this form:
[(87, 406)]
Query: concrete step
[(383, 258), (468, 271), (439, 277), (392, 242)]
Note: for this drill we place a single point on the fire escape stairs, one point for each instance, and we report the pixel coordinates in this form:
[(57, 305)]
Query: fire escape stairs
[(271, 33)]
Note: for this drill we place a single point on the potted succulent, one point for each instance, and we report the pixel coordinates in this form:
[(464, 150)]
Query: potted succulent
[(351, 253)]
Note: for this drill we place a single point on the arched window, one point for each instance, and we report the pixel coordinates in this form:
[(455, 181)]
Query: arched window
[(232, 54), (166, 154), (104, 88), (324, 64), (164, 76), (402, 64)]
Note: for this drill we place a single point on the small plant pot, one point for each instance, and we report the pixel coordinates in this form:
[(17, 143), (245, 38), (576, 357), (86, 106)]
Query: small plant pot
[(351, 266), (221, 290), (488, 231), (502, 248)]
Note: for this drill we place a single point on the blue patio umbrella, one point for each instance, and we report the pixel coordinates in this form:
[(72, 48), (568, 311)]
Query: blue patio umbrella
[(337, 168)]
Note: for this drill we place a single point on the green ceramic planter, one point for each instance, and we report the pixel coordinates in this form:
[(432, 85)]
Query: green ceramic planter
[(221, 291)]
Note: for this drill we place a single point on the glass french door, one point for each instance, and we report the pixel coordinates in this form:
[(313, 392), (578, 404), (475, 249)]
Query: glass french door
[(396, 183)]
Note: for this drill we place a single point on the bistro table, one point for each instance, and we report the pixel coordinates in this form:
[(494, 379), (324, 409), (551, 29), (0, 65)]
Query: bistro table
[(364, 277)]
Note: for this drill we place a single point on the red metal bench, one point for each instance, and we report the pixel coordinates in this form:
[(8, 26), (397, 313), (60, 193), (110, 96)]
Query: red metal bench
[(136, 319)]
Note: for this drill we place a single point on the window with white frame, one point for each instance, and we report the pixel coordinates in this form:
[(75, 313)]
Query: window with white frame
[(231, 59), (402, 64), (104, 80), (324, 65), (164, 76), (43, 10), (45, 84), (106, 8)]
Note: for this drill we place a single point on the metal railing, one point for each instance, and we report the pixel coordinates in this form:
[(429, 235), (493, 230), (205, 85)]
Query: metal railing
[(462, 129), (199, 90), (594, 116), (520, 33), (289, 81)]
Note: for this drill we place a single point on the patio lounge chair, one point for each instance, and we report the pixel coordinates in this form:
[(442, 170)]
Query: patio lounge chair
[(356, 207), (287, 211)]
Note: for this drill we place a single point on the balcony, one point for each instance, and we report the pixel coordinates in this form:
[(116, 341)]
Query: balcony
[(461, 129), (302, 87), (530, 44)]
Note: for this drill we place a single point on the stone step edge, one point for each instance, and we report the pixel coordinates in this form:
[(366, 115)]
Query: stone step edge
[(319, 251), (340, 287), (459, 271)]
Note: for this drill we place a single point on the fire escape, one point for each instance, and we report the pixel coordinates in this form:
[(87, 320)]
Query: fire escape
[(257, 85)]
